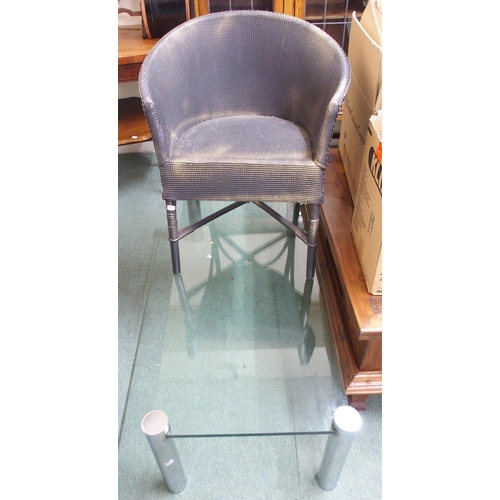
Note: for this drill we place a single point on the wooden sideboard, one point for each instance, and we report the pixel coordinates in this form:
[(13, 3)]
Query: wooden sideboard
[(132, 50), (354, 316)]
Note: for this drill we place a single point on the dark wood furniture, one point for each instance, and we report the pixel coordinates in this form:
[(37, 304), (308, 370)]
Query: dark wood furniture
[(354, 315)]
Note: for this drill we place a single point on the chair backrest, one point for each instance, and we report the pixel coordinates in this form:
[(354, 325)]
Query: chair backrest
[(244, 62)]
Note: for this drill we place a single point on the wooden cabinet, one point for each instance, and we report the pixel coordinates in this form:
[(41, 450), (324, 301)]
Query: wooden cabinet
[(354, 315)]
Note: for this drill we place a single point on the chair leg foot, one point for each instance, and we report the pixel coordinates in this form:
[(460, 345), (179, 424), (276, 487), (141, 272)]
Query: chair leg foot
[(311, 262), (173, 234), (176, 260), (312, 240)]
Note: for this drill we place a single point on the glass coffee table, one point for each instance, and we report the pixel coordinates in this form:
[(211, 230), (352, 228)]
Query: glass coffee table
[(244, 347)]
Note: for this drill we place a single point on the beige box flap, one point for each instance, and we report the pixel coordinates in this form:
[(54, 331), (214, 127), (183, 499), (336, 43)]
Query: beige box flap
[(371, 20), (365, 57)]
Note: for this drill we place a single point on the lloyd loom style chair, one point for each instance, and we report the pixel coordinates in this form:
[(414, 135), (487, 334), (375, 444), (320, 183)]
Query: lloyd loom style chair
[(241, 107)]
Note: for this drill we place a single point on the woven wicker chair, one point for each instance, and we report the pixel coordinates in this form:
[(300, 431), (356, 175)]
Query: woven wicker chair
[(241, 106)]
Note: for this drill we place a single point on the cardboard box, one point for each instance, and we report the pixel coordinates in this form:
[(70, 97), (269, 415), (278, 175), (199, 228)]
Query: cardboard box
[(366, 226), (364, 97)]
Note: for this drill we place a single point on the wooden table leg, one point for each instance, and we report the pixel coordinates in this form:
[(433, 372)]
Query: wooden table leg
[(358, 401)]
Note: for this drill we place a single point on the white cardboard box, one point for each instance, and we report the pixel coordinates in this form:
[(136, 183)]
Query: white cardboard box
[(364, 97), (366, 226)]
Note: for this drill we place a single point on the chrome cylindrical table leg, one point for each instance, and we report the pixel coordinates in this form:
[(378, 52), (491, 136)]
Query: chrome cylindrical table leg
[(346, 422), (157, 430)]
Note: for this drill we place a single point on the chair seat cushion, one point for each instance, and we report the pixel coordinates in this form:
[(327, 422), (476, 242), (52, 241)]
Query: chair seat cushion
[(243, 158)]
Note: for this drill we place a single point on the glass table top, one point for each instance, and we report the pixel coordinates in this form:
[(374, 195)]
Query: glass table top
[(246, 349), (238, 343)]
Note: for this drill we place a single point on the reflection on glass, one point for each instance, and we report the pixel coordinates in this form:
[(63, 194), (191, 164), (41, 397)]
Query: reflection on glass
[(246, 351)]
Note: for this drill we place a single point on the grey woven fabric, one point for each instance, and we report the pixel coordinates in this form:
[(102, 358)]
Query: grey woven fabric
[(242, 105)]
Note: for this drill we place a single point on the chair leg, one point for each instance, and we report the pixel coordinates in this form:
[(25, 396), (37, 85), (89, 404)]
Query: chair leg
[(296, 212), (295, 218), (312, 240), (173, 234)]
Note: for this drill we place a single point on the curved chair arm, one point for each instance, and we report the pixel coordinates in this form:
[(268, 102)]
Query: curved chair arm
[(159, 130), (321, 138)]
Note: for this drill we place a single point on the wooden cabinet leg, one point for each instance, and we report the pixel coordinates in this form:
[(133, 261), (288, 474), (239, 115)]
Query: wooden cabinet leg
[(358, 401)]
